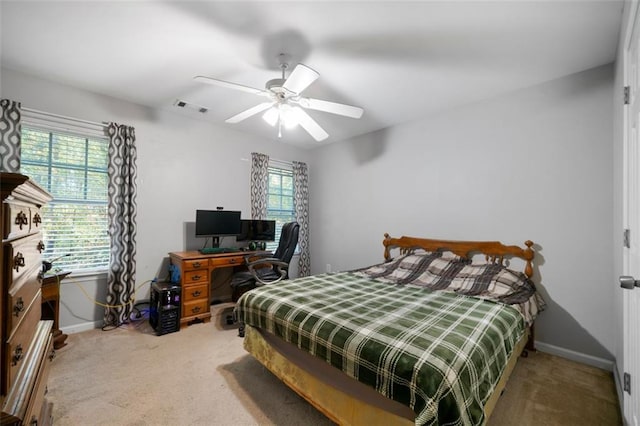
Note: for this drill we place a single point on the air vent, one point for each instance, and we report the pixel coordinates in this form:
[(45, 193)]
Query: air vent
[(184, 104)]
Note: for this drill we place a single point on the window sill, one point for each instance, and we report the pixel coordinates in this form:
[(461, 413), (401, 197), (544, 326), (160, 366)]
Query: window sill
[(85, 273)]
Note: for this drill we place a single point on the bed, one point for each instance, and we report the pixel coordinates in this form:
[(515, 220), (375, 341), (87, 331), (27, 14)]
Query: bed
[(429, 336)]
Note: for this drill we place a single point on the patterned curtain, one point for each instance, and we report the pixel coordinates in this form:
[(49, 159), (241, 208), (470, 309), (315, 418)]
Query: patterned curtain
[(301, 205), (10, 137), (259, 183), (122, 170)]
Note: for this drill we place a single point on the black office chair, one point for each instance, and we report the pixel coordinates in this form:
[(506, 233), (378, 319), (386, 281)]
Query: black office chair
[(267, 268)]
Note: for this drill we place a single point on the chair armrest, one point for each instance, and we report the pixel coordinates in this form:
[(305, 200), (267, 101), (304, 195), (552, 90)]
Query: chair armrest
[(261, 255), (267, 260), (280, 267)]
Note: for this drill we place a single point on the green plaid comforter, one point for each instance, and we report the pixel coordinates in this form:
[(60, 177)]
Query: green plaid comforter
[(439, 353)]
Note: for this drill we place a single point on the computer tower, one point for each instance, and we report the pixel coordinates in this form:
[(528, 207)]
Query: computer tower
[(164, 312)]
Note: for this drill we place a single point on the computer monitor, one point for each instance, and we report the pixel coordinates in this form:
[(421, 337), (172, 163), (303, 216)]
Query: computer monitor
[(214, 223), (257, 230)]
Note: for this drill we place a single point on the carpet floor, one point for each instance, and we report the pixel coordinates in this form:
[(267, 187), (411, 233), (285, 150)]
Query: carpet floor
[(202, 376)]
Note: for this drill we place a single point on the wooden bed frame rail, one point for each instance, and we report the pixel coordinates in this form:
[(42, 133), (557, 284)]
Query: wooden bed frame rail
[(494, 251)]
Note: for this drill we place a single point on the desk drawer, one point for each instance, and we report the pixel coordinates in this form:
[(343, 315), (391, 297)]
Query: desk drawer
[(196, 307), (190, 265), (226, 261), (194, 292), (198, 276)]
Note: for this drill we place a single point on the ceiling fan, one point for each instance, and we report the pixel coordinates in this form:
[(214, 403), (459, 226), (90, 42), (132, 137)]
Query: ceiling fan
[(285, 105)]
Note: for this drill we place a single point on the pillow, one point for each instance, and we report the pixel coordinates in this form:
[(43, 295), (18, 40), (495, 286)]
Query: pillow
[(447, 271), (487, 281)]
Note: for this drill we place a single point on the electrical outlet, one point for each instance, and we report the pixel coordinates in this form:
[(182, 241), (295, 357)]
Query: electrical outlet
[(328, 268)]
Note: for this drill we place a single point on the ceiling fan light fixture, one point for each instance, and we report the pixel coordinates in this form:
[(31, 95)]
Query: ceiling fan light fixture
[(288, 116), (271, 116)]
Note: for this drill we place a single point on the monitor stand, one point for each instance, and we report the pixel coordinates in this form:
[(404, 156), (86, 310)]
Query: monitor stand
[(215, 242)]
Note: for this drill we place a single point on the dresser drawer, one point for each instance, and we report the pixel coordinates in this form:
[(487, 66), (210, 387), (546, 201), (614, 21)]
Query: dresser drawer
[(194, 292), (18, 343), (19, 298), (25, 399), (35, 223), (194, 308), (226, 261), (194, 277), (18, 220), (24, 257), (190, 265), (37, 413)]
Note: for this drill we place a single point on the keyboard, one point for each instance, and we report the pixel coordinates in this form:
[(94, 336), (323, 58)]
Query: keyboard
[(215, 250)]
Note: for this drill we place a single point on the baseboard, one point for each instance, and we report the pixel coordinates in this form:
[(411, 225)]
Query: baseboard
[(594, 361), (72, 329), (619, 390)]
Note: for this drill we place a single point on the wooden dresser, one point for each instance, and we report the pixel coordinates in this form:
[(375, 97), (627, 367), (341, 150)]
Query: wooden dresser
[(26, 350)]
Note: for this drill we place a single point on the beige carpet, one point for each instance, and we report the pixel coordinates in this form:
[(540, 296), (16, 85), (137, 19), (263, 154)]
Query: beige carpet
[(202, 376)]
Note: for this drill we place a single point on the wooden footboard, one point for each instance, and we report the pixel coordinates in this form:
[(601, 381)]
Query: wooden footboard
[(339, 399)]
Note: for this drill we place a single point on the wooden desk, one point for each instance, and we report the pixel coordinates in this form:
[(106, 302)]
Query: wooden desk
[(51, 304), (195, 280)]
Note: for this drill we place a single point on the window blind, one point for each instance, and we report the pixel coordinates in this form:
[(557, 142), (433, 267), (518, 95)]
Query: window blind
[(70, 160), (280, 200)]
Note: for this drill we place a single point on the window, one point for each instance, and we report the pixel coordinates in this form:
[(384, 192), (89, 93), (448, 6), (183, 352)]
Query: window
[(280, 200), (73, 169)]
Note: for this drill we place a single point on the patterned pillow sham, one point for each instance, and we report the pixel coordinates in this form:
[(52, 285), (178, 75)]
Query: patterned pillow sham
[(406, 268), (448, 272)]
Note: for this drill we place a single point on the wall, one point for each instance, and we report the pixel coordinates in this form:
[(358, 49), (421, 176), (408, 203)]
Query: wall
[(534, 164), (183, 164)]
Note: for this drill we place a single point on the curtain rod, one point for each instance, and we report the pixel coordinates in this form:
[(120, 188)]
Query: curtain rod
[(50, 114), (275, 160)]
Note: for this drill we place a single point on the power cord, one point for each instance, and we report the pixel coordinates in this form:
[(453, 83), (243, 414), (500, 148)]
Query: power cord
[(107, 327)]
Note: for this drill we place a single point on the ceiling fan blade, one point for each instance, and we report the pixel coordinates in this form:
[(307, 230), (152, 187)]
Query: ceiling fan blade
[(248, 113), (300, 78), (332, 107), (309, 124), (228, 85)]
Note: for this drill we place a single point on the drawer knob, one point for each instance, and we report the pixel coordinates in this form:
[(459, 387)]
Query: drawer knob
[(18, 261), (196, 293), (232, 261), (41, 246), (195, 310), (21, 219), (195, 278), (197, 265), (18, 307), (37, 219), (52, 354), (17, 355)]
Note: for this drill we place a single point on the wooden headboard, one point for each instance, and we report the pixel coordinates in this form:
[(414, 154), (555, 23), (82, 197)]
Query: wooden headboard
[(494, 251)]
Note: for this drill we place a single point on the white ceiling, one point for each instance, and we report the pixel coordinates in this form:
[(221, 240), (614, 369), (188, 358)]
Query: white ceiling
[(398, 60)]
